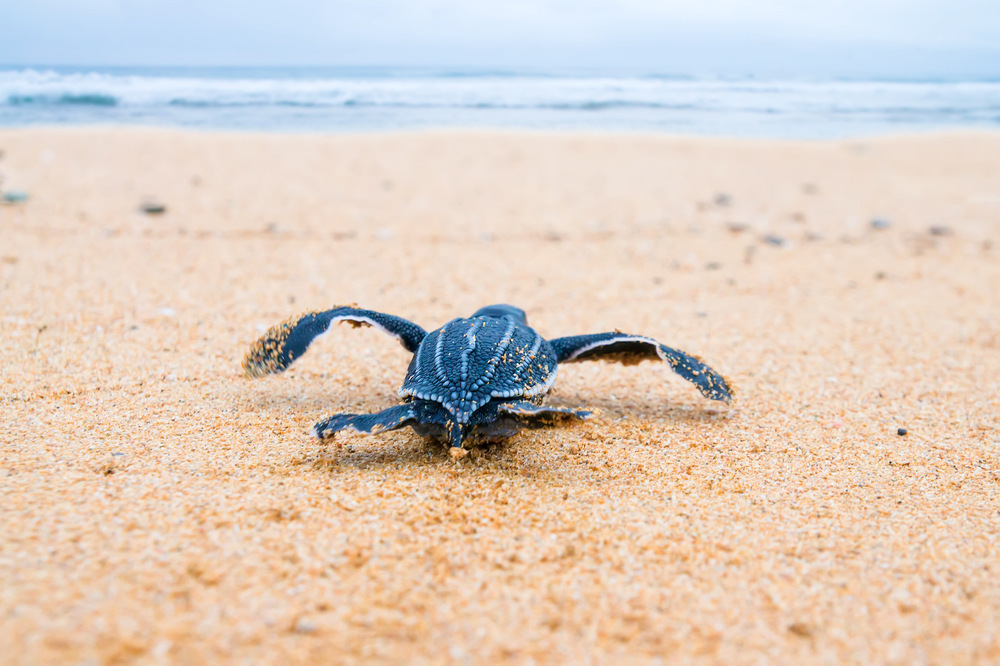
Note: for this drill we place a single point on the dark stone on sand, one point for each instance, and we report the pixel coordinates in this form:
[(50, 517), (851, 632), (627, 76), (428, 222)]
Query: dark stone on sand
[(776, 241), (881, 223), (153, 208), (940, 230), (14, 196), (901, 431)]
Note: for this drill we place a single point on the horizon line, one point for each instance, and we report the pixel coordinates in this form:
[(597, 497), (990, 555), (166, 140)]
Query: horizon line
[(542, 71)]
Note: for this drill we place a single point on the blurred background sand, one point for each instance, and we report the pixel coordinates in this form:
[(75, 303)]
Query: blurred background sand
[(157, 506)]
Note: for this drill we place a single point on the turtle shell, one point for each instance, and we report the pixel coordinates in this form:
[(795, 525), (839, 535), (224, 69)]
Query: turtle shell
[(468, 362)]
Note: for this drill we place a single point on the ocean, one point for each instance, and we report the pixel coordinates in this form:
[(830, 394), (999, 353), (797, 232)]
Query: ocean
[(302, 99)]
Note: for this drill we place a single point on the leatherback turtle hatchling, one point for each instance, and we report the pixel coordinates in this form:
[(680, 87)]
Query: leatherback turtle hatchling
[(480, 378)]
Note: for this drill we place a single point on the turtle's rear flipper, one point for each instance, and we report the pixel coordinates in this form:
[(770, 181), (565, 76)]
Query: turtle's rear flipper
[(367, 424), (285, 342), (530, 415), (632, 349)]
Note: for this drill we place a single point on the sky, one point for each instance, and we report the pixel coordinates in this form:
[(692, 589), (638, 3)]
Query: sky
[(908, 38)]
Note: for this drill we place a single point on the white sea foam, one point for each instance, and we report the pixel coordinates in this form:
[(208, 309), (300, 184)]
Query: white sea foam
[(345, 100)]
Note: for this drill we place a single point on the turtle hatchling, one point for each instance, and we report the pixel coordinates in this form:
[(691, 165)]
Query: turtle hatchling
[(474, 380)]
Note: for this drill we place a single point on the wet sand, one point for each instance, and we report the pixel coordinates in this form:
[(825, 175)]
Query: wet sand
[(159, 507)]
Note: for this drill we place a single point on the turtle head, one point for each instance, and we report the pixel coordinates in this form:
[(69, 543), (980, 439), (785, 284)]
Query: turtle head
[(455, 446), (502, 310)]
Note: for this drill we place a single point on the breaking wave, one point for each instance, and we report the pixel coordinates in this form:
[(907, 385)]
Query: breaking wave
[(314, 99)]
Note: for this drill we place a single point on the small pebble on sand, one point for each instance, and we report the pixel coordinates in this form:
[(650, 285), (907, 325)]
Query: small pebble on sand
[(901, 431), (880, 223), (304, 626), (153, 207), (14, 196)]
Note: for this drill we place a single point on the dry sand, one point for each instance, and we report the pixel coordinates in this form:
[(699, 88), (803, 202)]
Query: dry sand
[(159, 507)]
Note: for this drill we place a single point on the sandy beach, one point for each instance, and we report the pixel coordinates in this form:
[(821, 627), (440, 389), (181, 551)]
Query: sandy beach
[(159, 507)]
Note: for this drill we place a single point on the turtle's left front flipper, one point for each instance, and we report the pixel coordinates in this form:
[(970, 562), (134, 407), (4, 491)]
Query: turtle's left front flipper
[(285, 342), (632, 349), (367, 424), (531, 415)]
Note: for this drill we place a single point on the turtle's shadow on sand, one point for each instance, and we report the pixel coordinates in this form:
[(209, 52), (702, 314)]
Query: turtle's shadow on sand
[(408, 450), (405, 449), (615, 410), (323, 405)]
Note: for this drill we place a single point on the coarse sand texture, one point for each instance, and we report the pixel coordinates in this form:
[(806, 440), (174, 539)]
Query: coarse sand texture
[(160, 507)]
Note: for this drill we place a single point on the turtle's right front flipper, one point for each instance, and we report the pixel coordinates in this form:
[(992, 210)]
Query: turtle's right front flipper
[(285, 342), (367, 424)]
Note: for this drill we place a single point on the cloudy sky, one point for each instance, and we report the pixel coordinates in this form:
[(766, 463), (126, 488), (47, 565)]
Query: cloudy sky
[(831, 37)]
